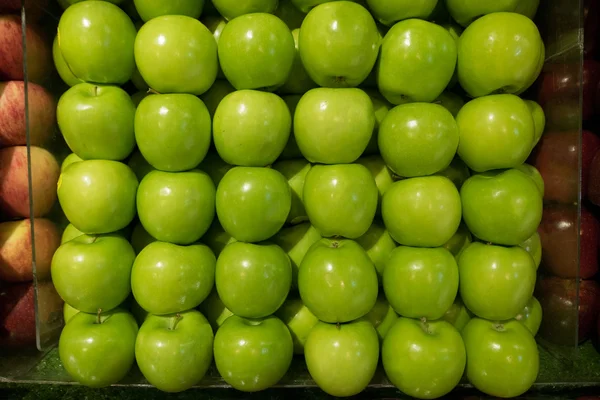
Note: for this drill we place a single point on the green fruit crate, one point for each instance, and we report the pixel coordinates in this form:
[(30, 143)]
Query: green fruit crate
[(37, 66)]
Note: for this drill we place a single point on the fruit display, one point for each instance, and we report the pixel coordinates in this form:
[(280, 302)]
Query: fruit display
[(361, 188)]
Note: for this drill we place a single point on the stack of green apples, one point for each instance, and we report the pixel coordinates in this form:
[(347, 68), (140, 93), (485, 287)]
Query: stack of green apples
[(300, 177)]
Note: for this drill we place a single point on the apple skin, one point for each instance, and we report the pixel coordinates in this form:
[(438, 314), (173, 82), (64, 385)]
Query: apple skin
[(231, 9), (174, 352), (14, 182), (176, 207), (167, 278), (502, 207), (98, 196), (139, 165), (533, 246), (531, 316), (42, 114), (253, 203), (61, 65), (338, 132), (502, 358), (16, 249), (569, 248), (38, 57), (306, 5), (354, 345), (496, 282), (337, 281), (382, 174), (539, 120), (338, 44), (295, 172), (98, 354), (299, 320), (418, 139), (214, 310), (340, 199), (105, 114), (149, 9), (184, 62), (213, 96), (216, 238), (215, 24), (458, 314), (382, 316), (502, 39), (35, 8), (466, 11), (69, 160), (96, 40), (69, 312), (416, 63), (93, 272), (70, 233), (298, 81), (378, 244), (461, 239), (423, 359), (251, 128), (390, 12), (173, 131), (295, 240), (256, 51), (422, 212), (214, 166), (290, 14), (253, 355), (496, 132), (450, 101), (457, 172), (534, 174), (253, 279), (420, 282)]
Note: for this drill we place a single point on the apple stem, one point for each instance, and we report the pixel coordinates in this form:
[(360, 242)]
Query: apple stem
[(498, 326), (425, 325), (152, 91), (175, 321), (98, 320), (95, 90)]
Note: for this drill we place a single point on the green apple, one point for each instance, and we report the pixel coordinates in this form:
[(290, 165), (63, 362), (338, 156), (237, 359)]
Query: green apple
[(534, 174), (216, 238), (502, 358), (139, 165), (214, 310), (337, 280), (105, 114), (253, 279), (455, 31), (420, 282), (496, 131), (140, 238), (138, 312), (381, 107), (253, 355), (295, 172), (295, 240), (215, 167), (340, 199), (533, 245), (70, 233), (213, 96), (256, 51), (458, 315), (69, 312), (424, 212), (378, 244), (61, 65), (299, 320), (388, 12), (424, 359), (138, 81), (531, 316), (502, 207), (149, 9), (251, 128), (69, 160), (176, 54), (174, 352), (176, 207), (466, 11), (416, 62), (167, 278), (96, 40), (291, 149), (539, 120), (338, 43), (461, 239), (290, 14), (298, 82), (66, 3), (333, 126), (93, 272), (137, 97), (342, 359), (98, 196), (215, 24), (173, 131), (418, 139), (382, 316), (231, 9), (457, 172), (98, 350), (496, 282), (381, 173), (501, 52), (450, 101), (253, 203)]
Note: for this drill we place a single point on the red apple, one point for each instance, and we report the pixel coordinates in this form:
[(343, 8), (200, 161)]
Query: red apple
[(42, 114), (562, 323), (14, 181), (33, 8), (594, 180), (16, 264), (39, 56)]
